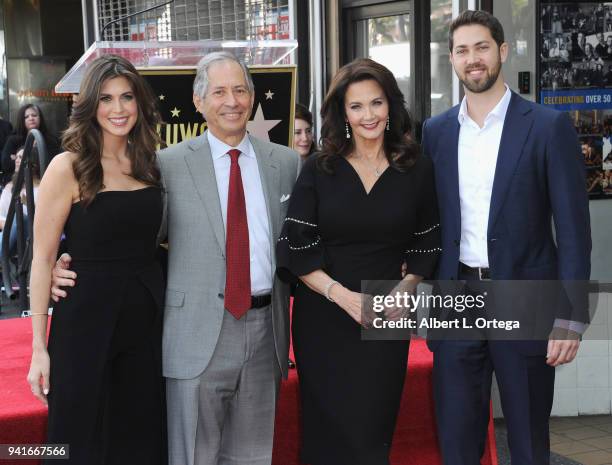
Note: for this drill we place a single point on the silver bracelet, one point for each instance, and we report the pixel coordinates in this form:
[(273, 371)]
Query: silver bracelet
[(328, 287)]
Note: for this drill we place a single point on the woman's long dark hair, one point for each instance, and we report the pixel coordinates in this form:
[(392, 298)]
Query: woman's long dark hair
[(84, 135), (20, 127), (400, 149)]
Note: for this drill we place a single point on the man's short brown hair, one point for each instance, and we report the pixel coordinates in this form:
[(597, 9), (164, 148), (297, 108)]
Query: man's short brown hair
[(469, 17)]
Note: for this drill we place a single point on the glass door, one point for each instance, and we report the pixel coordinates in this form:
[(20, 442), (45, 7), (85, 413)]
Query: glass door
[(389, 34), (386, 40)]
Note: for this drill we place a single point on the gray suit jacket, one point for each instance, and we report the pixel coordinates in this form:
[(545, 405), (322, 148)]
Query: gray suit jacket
[(196, 252)]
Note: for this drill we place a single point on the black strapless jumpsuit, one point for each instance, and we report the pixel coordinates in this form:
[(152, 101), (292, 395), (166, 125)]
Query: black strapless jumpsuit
[(106, 393)]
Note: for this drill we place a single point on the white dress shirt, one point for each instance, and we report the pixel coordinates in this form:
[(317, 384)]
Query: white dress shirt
[(477, 153), (257, 213)]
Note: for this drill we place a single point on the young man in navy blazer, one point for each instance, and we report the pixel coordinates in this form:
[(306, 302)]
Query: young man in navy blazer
[(506, 168)]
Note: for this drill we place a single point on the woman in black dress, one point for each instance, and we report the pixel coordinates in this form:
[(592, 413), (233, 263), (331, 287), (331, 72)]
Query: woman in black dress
[(29, 116), (360, 209), (101, 374)]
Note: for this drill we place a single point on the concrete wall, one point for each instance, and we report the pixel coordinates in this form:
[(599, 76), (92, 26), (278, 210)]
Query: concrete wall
[(601, 224)]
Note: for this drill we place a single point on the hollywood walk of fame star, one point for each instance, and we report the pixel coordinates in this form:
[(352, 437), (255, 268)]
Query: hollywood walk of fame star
[(269, 95), (175, 112), (259, 125)]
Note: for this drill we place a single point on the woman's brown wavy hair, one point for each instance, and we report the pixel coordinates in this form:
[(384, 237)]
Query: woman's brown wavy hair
[(400, 149), (84, 135)]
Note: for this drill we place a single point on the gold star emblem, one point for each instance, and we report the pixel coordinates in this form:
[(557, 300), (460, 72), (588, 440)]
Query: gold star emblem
[(162, 97), (269, 95), (175, 112)]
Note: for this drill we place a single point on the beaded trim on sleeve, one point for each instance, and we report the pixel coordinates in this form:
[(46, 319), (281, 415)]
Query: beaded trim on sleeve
[(427, 230), (295, 220), (436, 249), (316, 241)]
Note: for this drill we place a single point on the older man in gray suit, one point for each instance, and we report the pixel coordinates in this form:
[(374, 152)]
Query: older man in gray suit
[(226, 324)]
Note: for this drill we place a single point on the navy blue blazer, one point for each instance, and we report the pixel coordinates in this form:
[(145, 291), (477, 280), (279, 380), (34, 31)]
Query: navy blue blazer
[(540, 177)]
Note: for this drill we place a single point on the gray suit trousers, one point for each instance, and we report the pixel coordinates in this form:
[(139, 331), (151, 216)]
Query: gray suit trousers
[(225, 416)]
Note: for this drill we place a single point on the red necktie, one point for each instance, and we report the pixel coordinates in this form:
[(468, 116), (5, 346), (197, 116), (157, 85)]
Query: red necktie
[(238, 270)]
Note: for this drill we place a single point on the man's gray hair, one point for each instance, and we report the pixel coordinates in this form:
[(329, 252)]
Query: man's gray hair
[(200, 83)]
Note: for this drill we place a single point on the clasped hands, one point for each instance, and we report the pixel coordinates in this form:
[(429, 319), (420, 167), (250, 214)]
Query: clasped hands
[(360, 307)]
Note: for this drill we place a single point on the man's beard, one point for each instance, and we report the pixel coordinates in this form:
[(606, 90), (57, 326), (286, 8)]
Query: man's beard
[(485, 83)]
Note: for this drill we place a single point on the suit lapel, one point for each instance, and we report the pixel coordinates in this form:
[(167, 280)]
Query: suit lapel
[(269, 171), (450, 166), (200, 164), (514, 135)]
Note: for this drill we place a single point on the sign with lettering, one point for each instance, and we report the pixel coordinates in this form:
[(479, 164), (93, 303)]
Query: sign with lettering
[(273, 108), (570, 100)]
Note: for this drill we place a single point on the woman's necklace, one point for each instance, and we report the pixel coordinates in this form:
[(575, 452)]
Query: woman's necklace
[(378, 169)]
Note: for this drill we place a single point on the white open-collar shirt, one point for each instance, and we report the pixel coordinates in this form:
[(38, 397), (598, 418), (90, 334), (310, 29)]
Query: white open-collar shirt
[(257, 214), (477, 159)]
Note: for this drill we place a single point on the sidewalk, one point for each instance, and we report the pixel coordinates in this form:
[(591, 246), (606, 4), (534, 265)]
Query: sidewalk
[(585, 439)]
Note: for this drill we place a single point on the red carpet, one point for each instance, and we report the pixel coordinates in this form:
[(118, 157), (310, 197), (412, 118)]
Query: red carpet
[(23, 418), (415, 441)]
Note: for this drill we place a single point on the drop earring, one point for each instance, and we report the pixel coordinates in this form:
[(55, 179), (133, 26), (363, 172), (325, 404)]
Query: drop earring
[(348, 134), (388, 124)]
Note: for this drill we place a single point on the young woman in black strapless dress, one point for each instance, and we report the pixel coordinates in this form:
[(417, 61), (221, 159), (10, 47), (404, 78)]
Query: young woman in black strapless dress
[(101, 372)]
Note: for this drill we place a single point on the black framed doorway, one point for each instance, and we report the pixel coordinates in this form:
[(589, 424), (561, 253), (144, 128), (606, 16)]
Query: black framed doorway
[(397, 35)]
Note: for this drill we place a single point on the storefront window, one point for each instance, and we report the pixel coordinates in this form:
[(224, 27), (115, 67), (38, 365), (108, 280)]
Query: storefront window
[(387, 41), (190, 20), (441, 69), (518, 19)]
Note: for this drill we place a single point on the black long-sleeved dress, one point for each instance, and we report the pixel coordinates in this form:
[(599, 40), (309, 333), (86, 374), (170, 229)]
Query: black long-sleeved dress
[(350, 389)]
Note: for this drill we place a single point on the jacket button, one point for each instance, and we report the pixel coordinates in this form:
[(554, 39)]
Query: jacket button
[(221, 296)]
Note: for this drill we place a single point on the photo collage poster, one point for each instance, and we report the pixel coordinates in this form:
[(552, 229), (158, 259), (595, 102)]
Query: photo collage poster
[(575, 75)]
